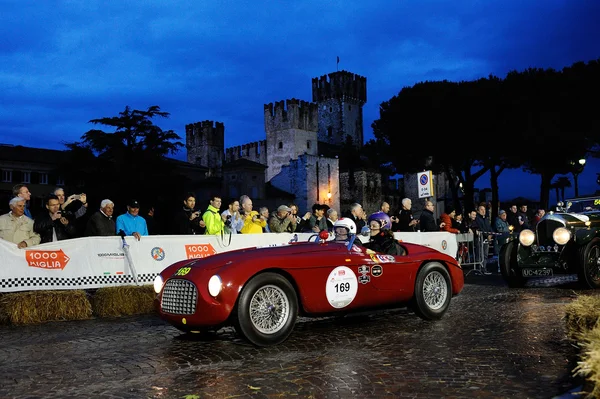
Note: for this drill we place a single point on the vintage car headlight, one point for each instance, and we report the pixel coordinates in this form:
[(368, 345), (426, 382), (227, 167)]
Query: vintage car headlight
[(214, 285), (561, 236), (526, 237), (158, 284)]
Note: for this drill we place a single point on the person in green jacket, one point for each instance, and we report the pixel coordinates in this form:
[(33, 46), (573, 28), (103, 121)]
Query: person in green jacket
[(212, 217)]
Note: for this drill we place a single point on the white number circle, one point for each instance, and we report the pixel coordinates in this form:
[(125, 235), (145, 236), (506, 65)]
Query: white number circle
[(341, 287)]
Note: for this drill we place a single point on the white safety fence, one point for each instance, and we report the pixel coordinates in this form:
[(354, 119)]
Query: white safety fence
[(95, 262)]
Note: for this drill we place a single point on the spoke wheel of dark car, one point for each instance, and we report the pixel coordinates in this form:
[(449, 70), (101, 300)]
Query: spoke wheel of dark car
[(267, 309), (508, 266), (589, 272), (433, 291)]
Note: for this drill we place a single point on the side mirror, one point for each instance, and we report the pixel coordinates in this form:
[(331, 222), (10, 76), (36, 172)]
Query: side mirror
[(365, 231)]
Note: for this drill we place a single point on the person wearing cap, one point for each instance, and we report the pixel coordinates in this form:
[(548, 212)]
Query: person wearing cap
[(102, 223), (131, 223), (282, 220)]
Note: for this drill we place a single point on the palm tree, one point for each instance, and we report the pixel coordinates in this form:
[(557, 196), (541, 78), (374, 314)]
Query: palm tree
[(560, 184)]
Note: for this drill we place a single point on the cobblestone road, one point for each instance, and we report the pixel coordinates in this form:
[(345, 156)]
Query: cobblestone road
[(494, 342)]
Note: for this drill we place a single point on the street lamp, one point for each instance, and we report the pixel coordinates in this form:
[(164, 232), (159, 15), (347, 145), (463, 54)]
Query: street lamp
[(576, 172)]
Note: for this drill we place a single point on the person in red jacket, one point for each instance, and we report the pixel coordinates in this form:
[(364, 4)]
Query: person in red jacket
[(447, 218)]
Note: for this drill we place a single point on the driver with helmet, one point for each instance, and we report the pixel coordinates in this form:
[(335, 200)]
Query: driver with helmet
[(382, 238), (344, 228)]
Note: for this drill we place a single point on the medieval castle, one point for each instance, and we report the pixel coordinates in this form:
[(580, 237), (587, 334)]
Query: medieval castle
[(303, 141)]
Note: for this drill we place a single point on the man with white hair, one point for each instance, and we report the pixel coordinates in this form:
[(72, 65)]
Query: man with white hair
[(102, 223), (17, 228)]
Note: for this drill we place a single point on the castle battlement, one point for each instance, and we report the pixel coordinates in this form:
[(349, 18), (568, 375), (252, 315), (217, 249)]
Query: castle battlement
[(205, 133), (255, 151), (291, 114), (342, 85)]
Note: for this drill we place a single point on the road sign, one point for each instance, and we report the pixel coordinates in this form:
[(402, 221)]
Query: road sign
[(425, 184)]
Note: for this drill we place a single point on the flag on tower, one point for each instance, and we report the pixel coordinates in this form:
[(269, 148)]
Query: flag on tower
[(338, 62)]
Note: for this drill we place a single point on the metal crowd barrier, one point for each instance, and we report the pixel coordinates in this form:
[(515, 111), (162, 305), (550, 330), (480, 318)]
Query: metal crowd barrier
[(473, 250)]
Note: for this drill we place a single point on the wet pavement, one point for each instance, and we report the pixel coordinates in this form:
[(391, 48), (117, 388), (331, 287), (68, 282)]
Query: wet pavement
[(494, 342)]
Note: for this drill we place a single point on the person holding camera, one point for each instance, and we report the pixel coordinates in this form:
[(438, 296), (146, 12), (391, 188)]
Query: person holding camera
[(187, 221), (282, 221), (232, 218), (53, 225), (253, 221), (212, 219)]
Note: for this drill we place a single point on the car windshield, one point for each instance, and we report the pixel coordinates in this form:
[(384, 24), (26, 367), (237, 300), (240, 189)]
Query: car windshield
[(584, 205)]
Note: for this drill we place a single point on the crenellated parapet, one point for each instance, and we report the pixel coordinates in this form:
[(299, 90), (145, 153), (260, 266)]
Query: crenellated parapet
[(291, 114), (342, 85), (204, 133), (255, 151)]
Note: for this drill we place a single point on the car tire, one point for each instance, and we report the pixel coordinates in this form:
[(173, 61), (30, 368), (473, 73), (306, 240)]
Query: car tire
[(589, 270), (433, 291), (508, 266), (266, 310)]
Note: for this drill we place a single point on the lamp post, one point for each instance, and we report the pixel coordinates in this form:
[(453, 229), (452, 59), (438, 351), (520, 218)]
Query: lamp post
[(578, 169)]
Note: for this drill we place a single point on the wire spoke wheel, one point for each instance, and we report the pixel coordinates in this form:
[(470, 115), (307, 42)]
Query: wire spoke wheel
[(435, 290), (269, 309)]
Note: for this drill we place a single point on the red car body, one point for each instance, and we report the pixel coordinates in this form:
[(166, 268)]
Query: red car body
[(324, 277)]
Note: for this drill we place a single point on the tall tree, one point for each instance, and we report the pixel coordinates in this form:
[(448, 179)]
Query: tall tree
[(130, 159)]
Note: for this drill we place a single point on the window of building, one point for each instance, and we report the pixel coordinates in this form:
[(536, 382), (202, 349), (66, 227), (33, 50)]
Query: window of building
[(330, 109), (329, 131), (26, 177), (60, 181), (280, 145), (253, 178), (43, 178), (233, 177), (349, 107), (7, 176), (308, 144), (198, 160)]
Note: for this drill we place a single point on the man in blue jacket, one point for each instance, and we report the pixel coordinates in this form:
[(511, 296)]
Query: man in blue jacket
[(131, 223)]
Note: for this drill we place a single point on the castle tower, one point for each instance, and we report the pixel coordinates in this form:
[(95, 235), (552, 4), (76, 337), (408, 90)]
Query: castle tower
[(291, 129), (340, 97), (205, 144)]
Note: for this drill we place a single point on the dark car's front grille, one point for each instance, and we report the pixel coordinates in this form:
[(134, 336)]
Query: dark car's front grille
[(179, 297), (545, 228)]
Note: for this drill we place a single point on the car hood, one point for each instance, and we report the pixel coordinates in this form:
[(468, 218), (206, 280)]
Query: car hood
[(574, 219), (241, 255)]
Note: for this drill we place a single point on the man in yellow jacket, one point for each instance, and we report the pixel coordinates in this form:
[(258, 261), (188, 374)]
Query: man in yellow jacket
[(253, 221), (212, 217)]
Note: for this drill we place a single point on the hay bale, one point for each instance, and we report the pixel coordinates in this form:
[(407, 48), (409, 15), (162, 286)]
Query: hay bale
[(123, 301), (34, 307), (589, 365), (582, 315)]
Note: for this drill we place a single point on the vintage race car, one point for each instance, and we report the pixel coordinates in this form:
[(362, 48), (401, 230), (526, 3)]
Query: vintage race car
[(565, 241), (261, 291)]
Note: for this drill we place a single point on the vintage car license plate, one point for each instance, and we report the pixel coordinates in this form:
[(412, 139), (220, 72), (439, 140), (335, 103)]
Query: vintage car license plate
[(537, 272)]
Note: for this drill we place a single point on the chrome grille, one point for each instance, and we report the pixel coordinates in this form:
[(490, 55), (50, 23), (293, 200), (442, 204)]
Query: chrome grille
[(544, 230), (179, 297)]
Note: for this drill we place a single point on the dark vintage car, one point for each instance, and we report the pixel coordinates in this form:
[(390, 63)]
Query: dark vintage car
[(261, 291), (565, 241)]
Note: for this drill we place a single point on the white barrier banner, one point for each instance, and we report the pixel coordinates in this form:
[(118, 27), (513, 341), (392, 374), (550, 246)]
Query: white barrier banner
[(95, 262)]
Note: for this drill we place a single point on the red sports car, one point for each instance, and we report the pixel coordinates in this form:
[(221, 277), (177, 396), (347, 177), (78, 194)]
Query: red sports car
[(261, 291)]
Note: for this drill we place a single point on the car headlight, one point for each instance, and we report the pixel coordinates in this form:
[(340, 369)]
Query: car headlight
[(214, 285), (561, 236), (526, 237), (158, 283)]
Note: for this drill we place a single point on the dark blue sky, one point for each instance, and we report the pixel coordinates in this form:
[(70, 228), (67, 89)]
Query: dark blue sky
[(63, 63)]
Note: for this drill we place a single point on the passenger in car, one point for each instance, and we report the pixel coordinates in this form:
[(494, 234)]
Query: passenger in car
[(382, 238)]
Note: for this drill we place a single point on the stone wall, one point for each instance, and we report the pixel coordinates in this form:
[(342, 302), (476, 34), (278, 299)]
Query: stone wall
[(255, 151), (311, 178), (205, 146), (291, 132)]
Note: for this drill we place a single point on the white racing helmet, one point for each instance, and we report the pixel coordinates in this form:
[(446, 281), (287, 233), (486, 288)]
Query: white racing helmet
[(347, 223)]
